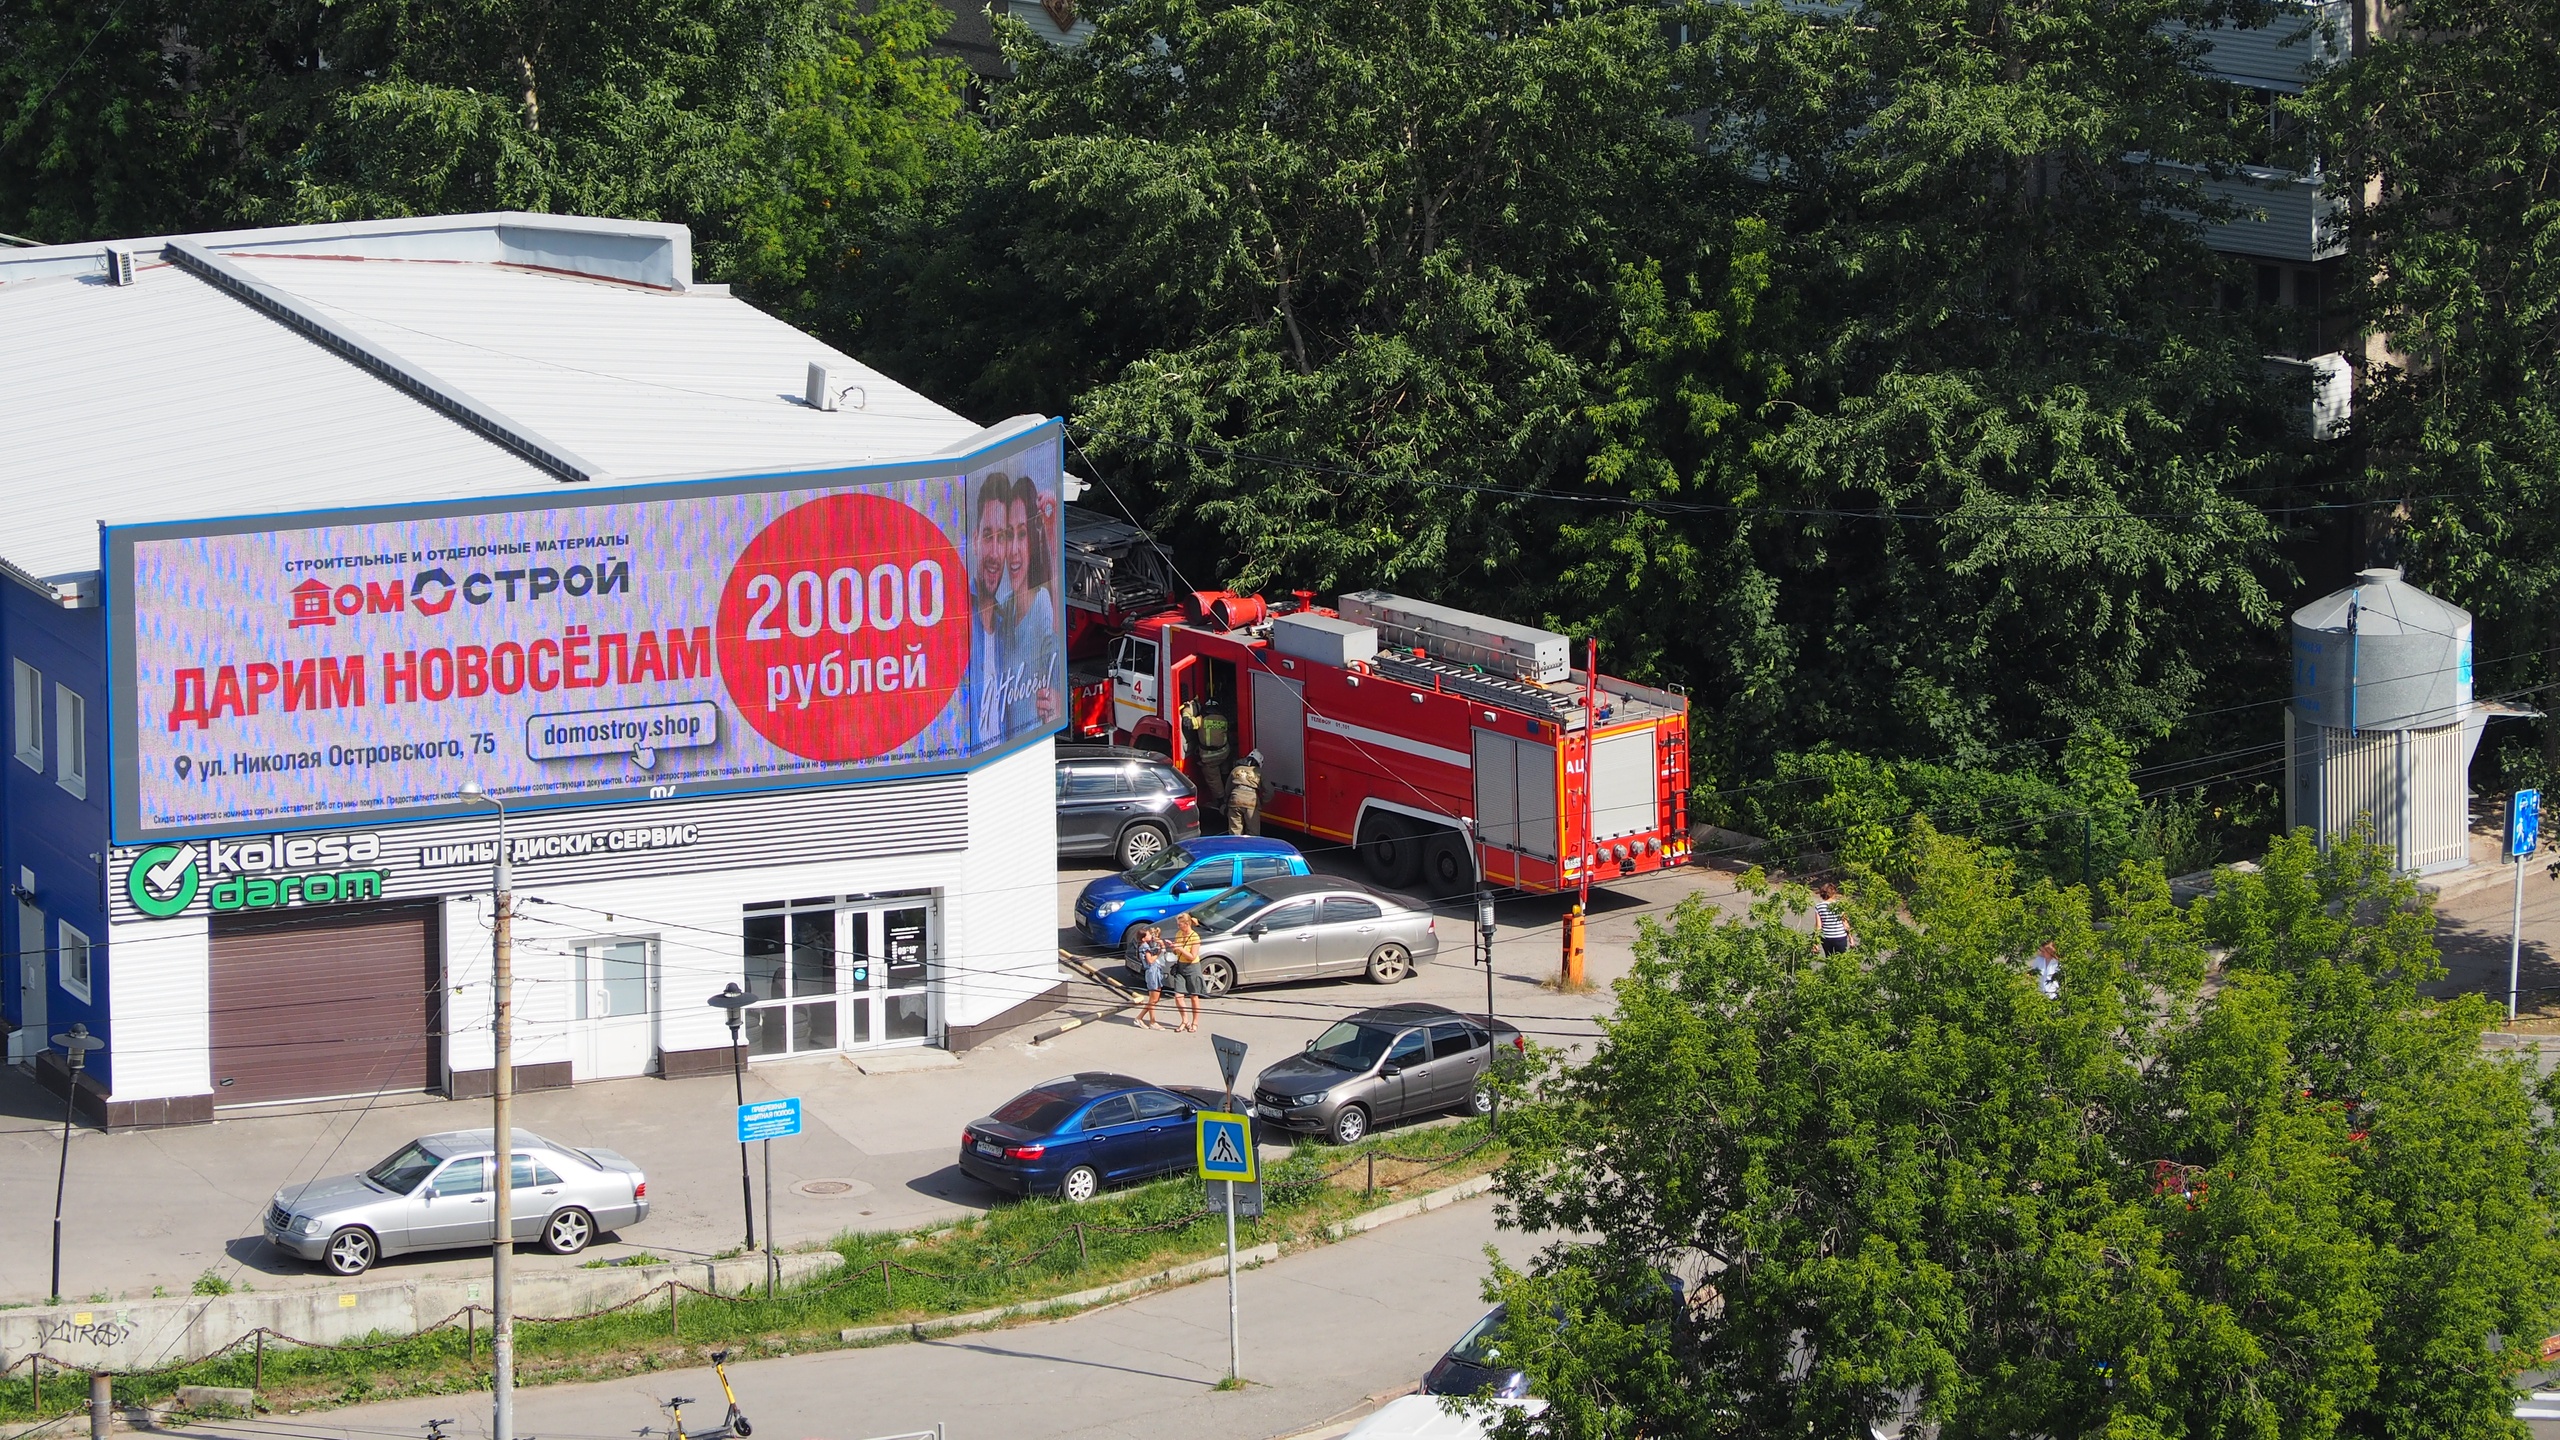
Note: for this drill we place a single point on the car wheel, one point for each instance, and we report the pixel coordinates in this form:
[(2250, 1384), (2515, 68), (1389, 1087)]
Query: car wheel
[(1217, 975), (1390, 963), (1140, 844), (1349, 1124), (1479, 1102), (568, 1231), (1392, 853), (1081, 1184), (351, 1251)]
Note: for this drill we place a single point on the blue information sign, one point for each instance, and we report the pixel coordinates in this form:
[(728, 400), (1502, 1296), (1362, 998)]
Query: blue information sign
[(2524, 823), (769, 1120)]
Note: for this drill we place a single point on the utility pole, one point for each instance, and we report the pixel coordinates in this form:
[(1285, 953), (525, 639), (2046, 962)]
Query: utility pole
[(502, 1089), (1484, 957)]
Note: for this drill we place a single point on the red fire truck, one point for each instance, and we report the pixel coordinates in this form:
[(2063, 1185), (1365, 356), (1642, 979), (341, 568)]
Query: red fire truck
[(1453, 749)]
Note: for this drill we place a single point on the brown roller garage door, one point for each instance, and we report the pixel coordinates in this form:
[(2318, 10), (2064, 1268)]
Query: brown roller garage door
[(313, 1004)]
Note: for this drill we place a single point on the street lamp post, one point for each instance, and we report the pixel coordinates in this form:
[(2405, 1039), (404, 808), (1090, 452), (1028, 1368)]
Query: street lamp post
[(76, 1044), (736, 1001), (502, 1089)]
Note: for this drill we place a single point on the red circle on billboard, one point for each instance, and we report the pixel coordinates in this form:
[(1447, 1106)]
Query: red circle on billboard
[(844, 627)]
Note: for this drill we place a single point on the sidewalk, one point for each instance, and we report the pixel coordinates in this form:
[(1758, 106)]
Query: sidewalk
[(150, 1209)]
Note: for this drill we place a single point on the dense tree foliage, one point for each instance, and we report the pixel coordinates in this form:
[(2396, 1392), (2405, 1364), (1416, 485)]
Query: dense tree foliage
[(2447, 145), (2238, 1179), (772, 127), (1862, 368), (1858, 374)]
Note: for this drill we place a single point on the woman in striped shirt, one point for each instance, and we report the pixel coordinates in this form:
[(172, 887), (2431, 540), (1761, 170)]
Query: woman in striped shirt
[(1826, 913)]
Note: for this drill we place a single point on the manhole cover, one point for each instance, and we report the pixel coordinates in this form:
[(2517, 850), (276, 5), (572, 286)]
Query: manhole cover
[(832, 1189)]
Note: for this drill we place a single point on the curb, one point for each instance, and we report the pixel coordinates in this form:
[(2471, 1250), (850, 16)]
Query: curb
[(1059, 1306)]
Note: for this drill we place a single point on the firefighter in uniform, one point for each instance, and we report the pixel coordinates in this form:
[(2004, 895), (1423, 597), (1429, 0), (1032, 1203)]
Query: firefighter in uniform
[(1244, 796), (1212, 742)]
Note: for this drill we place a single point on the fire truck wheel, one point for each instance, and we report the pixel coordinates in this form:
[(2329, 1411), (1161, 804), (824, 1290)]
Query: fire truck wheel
[(1392, 853), (1140, 844), (1444, 865), (1390, 963)]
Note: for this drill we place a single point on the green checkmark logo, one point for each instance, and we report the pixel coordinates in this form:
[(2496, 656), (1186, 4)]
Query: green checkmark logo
[(164, 880)]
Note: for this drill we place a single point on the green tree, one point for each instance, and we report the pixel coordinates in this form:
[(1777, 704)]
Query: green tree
[(2450, 123), (2279, 1195), (777, 129)]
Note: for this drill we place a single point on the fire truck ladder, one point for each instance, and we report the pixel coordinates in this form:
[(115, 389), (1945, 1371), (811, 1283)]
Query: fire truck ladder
[(1475, 684)]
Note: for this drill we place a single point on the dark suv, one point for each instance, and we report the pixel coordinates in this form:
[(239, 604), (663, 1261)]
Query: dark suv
[(1127, 804)]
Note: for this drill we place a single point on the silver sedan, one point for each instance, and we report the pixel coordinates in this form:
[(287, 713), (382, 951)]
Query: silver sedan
[(1299, 927), (438, 1192)]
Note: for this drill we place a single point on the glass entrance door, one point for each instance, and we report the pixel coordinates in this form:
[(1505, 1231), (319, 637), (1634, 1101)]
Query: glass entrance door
[(839, 973), (888, 999)]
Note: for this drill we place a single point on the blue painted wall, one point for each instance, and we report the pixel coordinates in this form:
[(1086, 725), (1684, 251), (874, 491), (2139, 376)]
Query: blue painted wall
[(45, 828)]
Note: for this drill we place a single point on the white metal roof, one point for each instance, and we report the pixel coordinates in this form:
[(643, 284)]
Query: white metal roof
[(175, 397)]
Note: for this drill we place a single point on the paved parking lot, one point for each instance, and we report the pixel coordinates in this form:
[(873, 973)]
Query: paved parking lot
[(159, 1208)]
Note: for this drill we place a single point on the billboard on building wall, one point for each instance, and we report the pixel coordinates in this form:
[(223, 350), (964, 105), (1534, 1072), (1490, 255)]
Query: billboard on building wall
[(587, 646)]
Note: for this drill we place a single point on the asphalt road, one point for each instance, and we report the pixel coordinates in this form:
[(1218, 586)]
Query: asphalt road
[(1324, 1330)]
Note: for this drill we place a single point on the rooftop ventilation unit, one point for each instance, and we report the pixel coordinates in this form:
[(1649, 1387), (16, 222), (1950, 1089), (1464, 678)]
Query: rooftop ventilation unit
[(119, 265)]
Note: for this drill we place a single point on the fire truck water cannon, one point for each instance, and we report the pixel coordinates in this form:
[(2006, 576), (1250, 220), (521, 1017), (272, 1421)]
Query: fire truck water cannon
[(1453, 749)]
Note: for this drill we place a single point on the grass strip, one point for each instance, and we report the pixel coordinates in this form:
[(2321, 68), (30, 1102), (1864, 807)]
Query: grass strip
[(1018, 1253)]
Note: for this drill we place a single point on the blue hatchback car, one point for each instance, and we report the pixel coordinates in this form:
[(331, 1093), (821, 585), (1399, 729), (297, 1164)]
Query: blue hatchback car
[(1071, 1136), (1180, 877)]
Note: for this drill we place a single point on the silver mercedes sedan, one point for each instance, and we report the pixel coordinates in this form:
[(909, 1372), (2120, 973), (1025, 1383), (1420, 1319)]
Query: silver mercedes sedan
[(437, 1193)]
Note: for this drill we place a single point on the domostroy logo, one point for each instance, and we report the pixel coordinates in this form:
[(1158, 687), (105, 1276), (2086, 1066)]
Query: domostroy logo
[(844, 627)]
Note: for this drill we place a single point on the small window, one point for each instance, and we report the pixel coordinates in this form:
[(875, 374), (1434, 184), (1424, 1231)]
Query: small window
[(1344, 909), (26, 714), (1291, 917), (1096, 782), (1157, 1105), (75, 960), (1451, 1038), (530, 1172), (71, 741), (1265, 867), (463, 1177), (1412, 1048), (1118, 1110), (1207, 878)]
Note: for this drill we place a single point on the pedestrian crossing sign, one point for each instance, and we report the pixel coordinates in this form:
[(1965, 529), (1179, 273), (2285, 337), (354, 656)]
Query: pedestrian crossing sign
[(1226, 1146)]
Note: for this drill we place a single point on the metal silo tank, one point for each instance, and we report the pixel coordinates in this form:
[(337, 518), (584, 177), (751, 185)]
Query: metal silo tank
[(2382, 724)]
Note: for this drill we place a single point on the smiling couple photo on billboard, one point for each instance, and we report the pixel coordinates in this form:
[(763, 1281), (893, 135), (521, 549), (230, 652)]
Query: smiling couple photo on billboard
[(1017, 665)]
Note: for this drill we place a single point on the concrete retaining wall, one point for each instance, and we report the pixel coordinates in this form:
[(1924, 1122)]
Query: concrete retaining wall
[(134, 1335)]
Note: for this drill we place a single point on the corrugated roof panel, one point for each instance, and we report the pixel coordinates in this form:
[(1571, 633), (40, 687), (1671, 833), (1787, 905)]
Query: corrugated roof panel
[(647, 383), (167, 400)]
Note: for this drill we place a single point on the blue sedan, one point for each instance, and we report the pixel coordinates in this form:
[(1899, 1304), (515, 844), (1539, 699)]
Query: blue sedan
[(1178, 878), (1071, 1136)]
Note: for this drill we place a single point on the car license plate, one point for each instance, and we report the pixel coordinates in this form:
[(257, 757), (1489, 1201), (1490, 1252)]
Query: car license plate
[(992, 1152), (1267, 1112)]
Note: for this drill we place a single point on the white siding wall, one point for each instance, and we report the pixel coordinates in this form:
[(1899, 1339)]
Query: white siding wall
[(158, 983), (1000, 924)]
